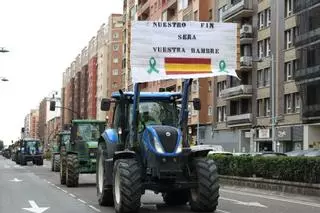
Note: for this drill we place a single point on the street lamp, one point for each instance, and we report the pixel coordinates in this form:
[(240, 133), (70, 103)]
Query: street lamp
[(3, 50)]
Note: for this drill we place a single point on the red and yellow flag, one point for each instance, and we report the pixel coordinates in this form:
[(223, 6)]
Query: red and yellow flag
[(176, 66)]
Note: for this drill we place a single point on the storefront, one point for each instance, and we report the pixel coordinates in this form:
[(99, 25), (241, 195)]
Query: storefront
[(290, 138)]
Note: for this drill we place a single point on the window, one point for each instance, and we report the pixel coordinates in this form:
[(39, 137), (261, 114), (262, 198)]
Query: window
[(115, 60), (288, 38), (210, 85), (288, 71), (210, 14), (260, 107), (261, 19), (267, 108), (288, 103), (114, 84), (115, 72), (210, 110), (267, 49), (260, 49), (288, 7), (222, 115), (221, 86), (220, 12), (268, 12), (260, 78), (267, 77), (296, 102), (116, 35), (115, 47)]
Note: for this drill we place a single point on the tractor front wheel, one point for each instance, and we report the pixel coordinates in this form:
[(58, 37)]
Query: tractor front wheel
[(127, 185), (72, 170), (204, 198), (56, 162), (63, 168), (105, 195)]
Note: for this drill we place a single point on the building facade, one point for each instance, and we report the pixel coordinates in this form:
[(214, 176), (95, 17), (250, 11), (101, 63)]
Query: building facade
[(307, 74), (34, 124), (42, 118), (92, 78)]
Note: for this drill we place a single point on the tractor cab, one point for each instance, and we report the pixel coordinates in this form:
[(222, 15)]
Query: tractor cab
[(30, 146), (30, 150)]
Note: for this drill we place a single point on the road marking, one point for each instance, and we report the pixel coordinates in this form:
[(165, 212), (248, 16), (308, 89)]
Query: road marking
[(82, 201), (7, 166), (15, 180), (221, 211), (64, 191), (273, 198), (94, 208), (72, 195), (35, 208), (255, 204)]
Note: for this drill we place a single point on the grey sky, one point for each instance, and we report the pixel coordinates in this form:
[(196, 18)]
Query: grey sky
[(44, 36)]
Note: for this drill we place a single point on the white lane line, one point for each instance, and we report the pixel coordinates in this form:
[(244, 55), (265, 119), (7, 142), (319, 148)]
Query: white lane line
[(221, 211), (94, 208), (72, 195), (317, 205), (58, 187), (255, 204), (64, 191), (82, 201)]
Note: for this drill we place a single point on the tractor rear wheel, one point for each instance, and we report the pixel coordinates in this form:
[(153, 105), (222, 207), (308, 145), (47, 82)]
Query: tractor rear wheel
[(56, 162), (72, 170), (205, 197), (127, 185), (63, 168), (176, 198)]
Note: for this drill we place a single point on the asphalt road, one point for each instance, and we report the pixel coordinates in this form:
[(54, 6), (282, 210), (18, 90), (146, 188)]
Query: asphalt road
[(38, 188)]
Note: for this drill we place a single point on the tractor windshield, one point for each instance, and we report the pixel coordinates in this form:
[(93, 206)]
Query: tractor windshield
[(158, 113), (65, 138), (88, 132), (31, 146)]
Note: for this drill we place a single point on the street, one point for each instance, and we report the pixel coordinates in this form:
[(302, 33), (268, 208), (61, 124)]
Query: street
[(37, 189)]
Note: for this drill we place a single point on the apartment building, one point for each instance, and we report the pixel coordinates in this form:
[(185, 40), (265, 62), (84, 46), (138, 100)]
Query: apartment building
[(307, 74), (102, 65), (77, 86), (92, 78), (42, 118), (52, 128), (267, 29), (84, 83), (26, 125), (34, 124)]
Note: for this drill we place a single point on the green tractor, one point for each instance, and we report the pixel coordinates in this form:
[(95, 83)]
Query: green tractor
[(78, 150), (61, 138)]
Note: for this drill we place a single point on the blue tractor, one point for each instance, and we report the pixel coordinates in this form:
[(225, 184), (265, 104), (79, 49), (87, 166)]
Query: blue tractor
[(146, 147)]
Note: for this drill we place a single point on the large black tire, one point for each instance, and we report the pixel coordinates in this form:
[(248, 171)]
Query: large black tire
[(56, 163), (205, 197), (23, 161), (176, 198), (127, 186), (72, 171), (104, 193), (63, 168), (39, 161)]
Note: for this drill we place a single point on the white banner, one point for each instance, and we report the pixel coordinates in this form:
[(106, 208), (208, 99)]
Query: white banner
[(175, 50)]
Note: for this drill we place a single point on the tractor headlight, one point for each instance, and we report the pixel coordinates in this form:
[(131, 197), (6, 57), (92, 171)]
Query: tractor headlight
[(157, 145), (179, 148)]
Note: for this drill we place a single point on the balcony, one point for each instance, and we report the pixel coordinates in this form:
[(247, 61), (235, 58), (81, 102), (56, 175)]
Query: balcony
[(239, 120), (241, 91), (171, 4), (307, 73), (308, 37), (143, 10), (245, 62), (246, 36), (239, 10), (311, 112)]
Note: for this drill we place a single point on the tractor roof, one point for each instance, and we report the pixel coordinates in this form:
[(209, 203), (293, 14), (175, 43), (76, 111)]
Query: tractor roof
[(30, 139), (86, 121), (150, 96)]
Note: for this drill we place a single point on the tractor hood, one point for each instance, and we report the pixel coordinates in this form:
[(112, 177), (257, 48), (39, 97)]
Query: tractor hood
[(92, 144)]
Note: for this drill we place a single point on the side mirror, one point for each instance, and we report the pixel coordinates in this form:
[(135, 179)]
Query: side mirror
[(105, 104), (52, 105), (196, 104)]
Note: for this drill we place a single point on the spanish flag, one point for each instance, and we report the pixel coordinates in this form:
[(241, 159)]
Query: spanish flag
[(176, 66)]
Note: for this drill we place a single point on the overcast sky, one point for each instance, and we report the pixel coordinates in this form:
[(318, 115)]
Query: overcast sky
[(44, 37)]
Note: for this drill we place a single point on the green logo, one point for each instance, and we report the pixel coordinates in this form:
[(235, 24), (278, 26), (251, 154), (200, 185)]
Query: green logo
[(222, 66), (152, 65)]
